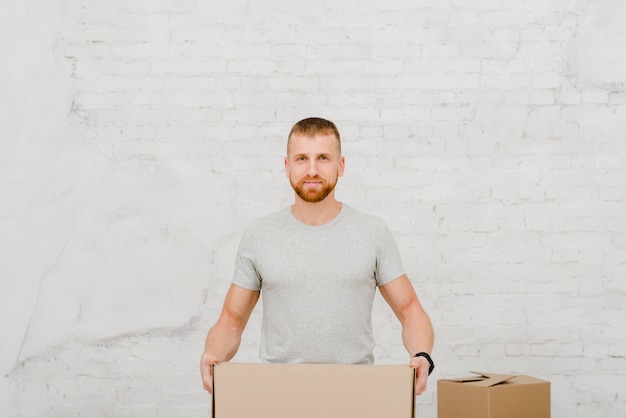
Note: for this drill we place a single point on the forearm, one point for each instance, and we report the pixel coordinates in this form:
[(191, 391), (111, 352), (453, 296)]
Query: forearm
[(417, 333), (418, 336), (221, 344), (417, 330), (222, 341)]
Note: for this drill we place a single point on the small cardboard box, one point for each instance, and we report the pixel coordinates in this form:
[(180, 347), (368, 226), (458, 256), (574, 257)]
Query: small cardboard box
[(312, 390), (490, 395)]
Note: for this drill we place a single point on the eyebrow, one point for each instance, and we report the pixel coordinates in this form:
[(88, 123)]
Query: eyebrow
[(323, 154)]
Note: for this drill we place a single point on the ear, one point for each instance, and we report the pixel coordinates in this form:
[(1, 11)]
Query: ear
[(342, 166), (286, 162)]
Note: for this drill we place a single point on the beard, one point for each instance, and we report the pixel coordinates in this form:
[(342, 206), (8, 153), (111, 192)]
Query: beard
[(316, 194)]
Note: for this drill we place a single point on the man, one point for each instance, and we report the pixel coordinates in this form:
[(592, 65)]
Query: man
[(318, 264)]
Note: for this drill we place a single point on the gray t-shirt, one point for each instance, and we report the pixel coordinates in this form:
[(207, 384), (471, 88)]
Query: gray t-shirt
[(318, 284)]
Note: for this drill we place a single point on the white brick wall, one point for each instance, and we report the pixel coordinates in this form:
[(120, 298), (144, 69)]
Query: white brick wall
[(138, 138)]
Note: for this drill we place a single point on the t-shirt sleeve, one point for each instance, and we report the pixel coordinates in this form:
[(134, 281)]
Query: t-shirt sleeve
[(388, 261), (246, 274)]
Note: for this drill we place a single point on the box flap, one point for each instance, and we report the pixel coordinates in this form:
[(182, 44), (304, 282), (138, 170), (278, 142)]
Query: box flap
[(483, 379), (465, 379), (491, 379)]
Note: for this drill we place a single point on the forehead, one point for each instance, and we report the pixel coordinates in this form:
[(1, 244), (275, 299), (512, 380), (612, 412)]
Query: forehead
[(309, 144)]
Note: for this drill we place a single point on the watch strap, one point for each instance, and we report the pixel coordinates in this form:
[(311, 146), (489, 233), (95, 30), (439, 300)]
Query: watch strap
[(430, 360)]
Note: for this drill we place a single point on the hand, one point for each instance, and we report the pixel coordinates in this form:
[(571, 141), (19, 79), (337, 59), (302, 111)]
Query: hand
[(421, 366), (206, 370)]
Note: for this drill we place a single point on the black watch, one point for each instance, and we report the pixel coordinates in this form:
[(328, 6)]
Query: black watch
[(427, 357)]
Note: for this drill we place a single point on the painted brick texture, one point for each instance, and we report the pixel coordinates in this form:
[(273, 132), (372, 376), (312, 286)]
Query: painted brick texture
[(139, 138)]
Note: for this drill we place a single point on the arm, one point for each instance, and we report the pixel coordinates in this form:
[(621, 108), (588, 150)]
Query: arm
[(417, 331), (223, 339)]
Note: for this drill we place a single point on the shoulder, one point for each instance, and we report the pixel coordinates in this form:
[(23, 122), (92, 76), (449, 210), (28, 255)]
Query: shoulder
[(362, 218), (364, 222)]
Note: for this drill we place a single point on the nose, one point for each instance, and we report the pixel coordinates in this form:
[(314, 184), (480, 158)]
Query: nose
[(312, 169)]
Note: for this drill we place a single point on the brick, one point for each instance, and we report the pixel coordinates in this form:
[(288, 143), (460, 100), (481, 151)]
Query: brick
[(596, 97), (186, 411)]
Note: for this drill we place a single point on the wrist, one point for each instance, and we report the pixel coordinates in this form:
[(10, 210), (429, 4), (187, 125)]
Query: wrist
[(429, 359)]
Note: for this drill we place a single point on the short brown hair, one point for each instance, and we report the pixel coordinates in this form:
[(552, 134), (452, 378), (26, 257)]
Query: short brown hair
[(315, 126)]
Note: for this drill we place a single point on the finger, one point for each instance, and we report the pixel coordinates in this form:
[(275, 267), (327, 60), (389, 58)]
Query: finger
[(420, 385), (207, 379), (421, 378), (206, 370)]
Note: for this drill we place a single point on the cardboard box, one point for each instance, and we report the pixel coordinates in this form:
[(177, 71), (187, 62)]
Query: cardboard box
[(490, 395), (251, 390)]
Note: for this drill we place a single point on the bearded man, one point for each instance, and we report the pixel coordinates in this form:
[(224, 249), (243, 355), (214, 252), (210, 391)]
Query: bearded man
[(318, 263)]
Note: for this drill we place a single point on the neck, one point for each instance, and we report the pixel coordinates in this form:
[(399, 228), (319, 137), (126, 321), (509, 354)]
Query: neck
[(317, 213)]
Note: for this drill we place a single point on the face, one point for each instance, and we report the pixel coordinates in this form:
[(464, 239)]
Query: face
[(313, 165)]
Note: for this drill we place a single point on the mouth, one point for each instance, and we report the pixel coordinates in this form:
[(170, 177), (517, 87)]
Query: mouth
[(312, 181)]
